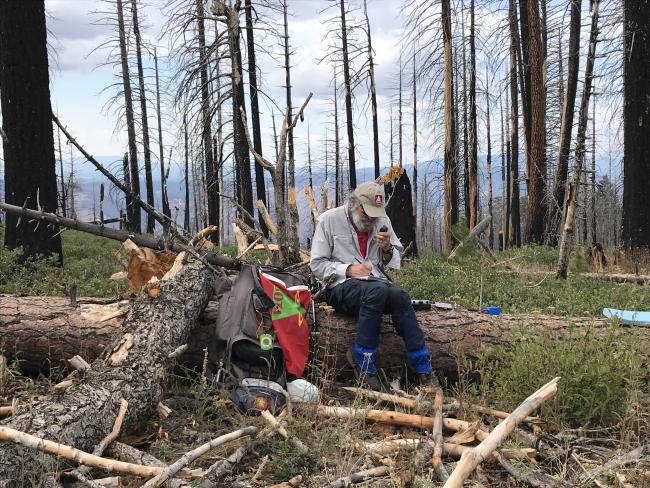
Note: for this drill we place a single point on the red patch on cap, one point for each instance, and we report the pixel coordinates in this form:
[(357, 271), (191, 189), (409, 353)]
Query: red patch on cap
[(379, 199)]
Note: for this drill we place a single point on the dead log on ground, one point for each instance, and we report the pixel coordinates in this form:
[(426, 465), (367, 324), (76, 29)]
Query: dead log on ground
[(44, 330), (133, 368)]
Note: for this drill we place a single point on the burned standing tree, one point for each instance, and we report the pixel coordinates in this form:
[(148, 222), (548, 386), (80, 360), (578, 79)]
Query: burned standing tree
[(373, 96), (161, 147), (30, 176), (255, 109), (636, 197), (568, 109), (536, 150), (450, 168), (348, 99), (134, 216), (473, 141), (143, 113), (514, 233), (566, 241)]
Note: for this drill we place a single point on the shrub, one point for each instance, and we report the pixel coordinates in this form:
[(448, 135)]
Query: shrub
[(599, 375)]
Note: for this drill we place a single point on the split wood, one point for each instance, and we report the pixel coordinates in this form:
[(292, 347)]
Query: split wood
[(6, 411), (475, 456), (270, 418), (80, 457), (170, 471), (396, 418), (436, 460), (359, 477)]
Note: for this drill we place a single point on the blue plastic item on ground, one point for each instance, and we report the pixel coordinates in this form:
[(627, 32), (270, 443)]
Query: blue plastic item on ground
[(491, 310), (628, 317)]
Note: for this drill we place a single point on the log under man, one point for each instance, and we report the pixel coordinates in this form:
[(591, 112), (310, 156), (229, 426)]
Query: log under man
[(351, 247)]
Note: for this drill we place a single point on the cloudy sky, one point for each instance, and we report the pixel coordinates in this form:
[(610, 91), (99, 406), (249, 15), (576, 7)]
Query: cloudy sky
[(80, 79)]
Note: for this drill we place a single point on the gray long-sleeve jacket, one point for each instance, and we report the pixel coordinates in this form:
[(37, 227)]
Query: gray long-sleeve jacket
[(335, 246)]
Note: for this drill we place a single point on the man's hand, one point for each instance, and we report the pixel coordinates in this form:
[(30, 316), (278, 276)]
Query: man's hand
[(359, 270), (383, 240)]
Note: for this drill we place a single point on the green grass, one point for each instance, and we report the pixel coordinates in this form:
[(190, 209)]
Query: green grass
[(601, 376), (87, 259), (433, 277)]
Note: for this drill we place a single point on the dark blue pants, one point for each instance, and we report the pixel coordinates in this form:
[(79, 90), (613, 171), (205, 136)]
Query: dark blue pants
[(368, 300)]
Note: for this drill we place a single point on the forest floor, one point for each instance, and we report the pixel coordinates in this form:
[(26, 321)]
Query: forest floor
[(602, 408)]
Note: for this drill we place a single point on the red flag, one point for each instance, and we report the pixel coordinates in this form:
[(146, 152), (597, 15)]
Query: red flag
[(289, 317)]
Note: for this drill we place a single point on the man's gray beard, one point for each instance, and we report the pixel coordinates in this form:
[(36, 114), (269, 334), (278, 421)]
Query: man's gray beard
[(358, 221)]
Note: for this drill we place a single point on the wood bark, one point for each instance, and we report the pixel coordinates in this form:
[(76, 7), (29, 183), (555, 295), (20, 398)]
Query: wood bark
[(134, 215), (450, 169), (161, 147), (536, 154), (348, 100), (489, 163), (46, 331), (568, 110), (211, 176), (260, 188), (146, 149), (473, 141), (514, 233), (30, 176), (636, 114), (130, 368), (566, 241)]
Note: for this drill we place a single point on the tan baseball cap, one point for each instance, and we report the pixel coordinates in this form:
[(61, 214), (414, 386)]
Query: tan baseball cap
[(372, 198)]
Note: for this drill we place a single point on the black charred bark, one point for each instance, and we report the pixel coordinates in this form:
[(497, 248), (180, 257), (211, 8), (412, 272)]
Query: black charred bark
[(30, 174), (636, 120)]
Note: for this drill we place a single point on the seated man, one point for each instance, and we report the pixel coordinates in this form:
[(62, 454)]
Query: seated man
[(354, 243)]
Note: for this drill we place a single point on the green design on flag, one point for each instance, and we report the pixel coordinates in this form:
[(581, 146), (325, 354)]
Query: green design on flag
[(285, 306)]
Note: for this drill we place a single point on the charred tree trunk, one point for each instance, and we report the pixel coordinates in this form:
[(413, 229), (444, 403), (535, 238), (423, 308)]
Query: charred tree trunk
[(568, 109), (489, 162), (291, 171), (450, 170), (130, 369), (63, 200), (514, 232), (400, 210), (473, 142), (348, 100), (260, 188), (30, 174), (211, 176), (505, 189), (536, 147), (186, 217), (636, 166), (161, 147), (373, 97), (134, 173), (338, 197), (415, 157), (572, 190), (143, 113)]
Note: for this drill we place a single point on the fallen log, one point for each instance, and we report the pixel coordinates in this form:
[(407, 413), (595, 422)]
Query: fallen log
[(43, 331), (132, 368)]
